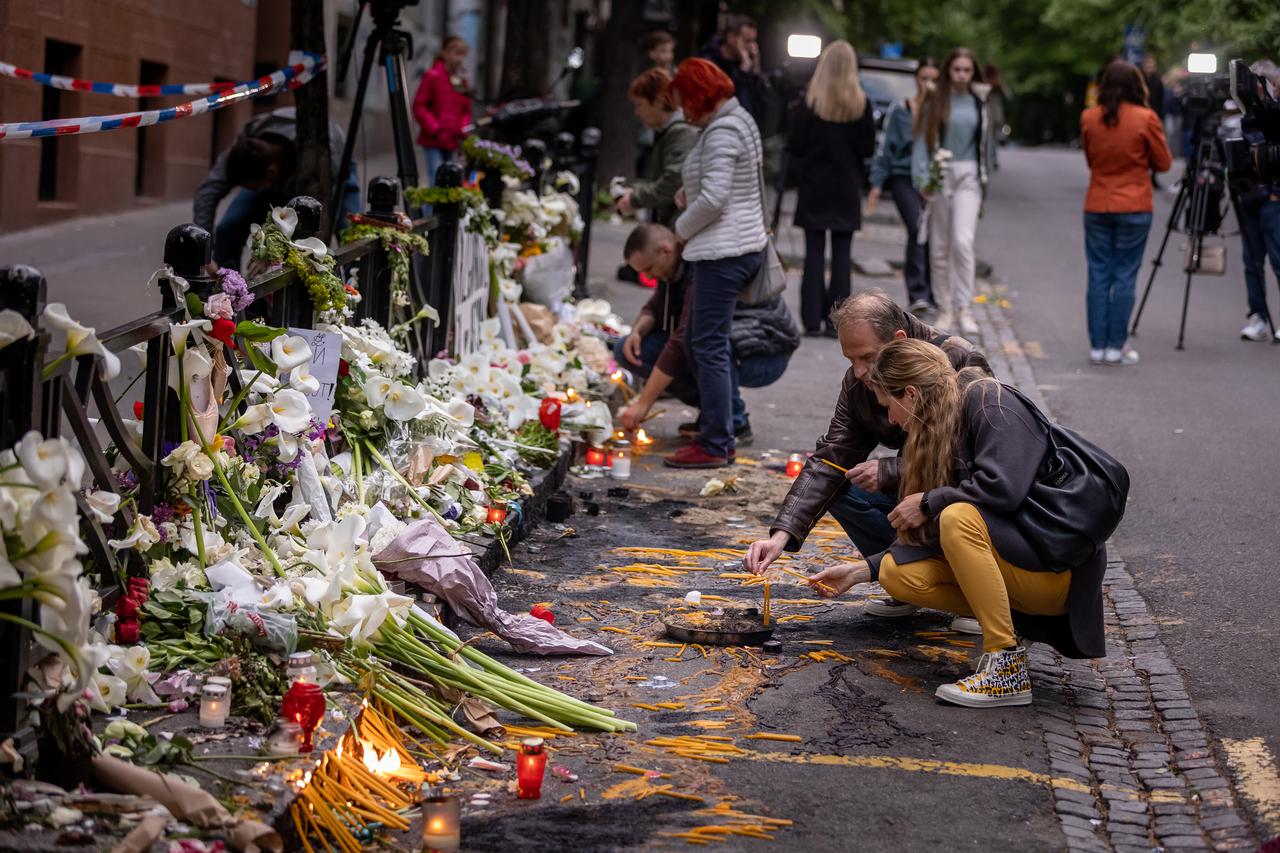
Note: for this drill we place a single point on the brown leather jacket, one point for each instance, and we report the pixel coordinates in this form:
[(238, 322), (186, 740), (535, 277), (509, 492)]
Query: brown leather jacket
[(857, 427)]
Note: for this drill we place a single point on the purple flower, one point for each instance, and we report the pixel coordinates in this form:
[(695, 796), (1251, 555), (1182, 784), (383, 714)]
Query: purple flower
[(233, 284)]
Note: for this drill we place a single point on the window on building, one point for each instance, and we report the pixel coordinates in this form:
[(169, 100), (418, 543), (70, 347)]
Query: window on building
[(149, 160), (55, 179)]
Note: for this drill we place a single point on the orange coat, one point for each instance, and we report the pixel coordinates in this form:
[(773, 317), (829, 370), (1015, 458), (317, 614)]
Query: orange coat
[(1121, 159)]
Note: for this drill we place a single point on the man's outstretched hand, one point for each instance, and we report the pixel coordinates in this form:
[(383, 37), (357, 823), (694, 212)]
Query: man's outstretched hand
[(840, 578), (763, 552)]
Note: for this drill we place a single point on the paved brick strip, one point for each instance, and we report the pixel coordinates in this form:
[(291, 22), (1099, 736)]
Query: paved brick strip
[(1122, 725)]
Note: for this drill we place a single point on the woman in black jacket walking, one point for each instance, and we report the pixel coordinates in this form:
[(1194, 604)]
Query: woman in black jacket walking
[(832, 134)]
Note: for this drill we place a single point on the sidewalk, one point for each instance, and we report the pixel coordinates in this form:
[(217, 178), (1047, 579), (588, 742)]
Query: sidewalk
[(1110, 757)]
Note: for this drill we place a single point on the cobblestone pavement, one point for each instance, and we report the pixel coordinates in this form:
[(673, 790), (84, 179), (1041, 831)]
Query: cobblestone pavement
[(1122, 727)]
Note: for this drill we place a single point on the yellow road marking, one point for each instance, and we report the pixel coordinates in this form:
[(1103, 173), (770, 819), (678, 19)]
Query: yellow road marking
[(1255, 770), (947, 768)]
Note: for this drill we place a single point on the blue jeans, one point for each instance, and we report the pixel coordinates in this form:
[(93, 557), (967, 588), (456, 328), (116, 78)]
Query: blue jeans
[(865, 518), (756, 372), (251, 207), (717, 284), (435, 158), (1260, 235), (1113, 246)]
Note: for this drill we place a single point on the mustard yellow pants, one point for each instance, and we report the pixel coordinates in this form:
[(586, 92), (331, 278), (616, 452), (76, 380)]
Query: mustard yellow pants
[(972, 579)]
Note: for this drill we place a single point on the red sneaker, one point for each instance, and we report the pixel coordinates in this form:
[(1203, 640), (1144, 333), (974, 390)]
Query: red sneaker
[(695, 456)]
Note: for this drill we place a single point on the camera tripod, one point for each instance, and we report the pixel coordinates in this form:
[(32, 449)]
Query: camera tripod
[(1202, 176), (390, 45)]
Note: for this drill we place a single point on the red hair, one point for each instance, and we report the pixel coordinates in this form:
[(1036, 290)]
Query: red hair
[(701, 85)]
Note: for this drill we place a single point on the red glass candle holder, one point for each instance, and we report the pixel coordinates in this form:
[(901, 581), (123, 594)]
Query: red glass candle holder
[(531, 765), (795, 465), (304, 705), (497, 514), (595, 456)]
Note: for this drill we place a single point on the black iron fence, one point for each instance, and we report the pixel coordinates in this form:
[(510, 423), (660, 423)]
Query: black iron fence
[(76, 402)]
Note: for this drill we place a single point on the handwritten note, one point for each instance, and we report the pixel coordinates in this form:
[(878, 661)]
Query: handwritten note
[(326, 352)]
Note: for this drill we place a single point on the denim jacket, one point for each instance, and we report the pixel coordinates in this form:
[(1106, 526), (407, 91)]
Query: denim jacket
[(893, 157)]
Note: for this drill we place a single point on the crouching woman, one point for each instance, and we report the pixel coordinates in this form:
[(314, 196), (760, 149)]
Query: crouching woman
[(971, 457)]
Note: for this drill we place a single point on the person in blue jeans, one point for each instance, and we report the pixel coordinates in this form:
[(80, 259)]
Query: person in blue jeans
[(1123, 142), (262, 163), (1259, 216), (762, 336)]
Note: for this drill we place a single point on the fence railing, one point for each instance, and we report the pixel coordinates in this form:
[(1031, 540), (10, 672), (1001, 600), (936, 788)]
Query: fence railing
[(76, 402)]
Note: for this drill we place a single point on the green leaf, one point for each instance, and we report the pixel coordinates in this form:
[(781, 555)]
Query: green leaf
[(260, 361), (194, 306), (256, 332)]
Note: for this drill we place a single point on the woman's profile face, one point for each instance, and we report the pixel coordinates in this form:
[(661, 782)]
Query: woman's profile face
[(926, 79), (961, 71), (900, 408)]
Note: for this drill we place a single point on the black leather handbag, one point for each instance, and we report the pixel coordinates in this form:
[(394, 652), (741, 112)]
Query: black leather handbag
[(1077, 499)]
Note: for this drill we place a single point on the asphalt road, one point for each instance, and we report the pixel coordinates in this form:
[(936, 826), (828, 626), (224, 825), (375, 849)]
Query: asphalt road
[(1196, 428)]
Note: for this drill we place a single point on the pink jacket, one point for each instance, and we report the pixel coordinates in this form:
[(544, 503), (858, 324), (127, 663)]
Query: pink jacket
[(441, 111)]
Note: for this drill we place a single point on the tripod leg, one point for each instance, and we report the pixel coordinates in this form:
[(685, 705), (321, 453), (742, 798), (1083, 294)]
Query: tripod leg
[(353, 127), (1186, 299), (406, 155), (1159, 259)]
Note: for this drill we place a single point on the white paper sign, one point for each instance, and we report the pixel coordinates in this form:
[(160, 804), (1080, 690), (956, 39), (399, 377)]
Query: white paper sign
[(470, 292), (326, 352)]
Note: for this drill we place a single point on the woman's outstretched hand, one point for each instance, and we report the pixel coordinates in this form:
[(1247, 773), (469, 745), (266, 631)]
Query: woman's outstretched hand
[(840, 578)]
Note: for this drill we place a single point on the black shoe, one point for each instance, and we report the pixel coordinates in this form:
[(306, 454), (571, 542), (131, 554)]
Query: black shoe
[(689, 429), (626, 273), (742, 435)]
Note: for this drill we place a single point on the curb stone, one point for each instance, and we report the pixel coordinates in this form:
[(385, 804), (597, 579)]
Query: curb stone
[(1123, 724)]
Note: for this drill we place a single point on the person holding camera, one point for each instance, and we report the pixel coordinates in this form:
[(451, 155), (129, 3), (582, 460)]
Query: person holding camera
[(1123, 142), (1257, 207)]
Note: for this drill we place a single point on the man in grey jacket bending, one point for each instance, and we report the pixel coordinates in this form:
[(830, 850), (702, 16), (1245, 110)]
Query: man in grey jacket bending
[(262, 162)]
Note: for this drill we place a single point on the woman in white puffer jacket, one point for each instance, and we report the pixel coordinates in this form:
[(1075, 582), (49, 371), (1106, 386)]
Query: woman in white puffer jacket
[(723, 232)]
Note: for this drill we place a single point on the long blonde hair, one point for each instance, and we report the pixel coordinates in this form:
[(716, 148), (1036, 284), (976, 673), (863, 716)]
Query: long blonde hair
[(834, 93), (930, 451)]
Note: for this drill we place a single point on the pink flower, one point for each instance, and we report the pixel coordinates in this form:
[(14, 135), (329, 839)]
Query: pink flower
[(229, 445), (177, 706), (524, 357), (218, 307)]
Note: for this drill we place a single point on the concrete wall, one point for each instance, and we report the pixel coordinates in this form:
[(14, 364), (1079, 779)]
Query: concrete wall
[(187, 41)]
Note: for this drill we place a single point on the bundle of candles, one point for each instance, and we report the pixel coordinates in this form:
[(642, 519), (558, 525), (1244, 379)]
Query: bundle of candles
[(716, 749), (370, 777), (736, 823)]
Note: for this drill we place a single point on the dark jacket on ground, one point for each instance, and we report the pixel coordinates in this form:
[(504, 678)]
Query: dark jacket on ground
[(278, 126), (859, 424), (1001, 447), (828, 158), (662, 177), (758, 330)]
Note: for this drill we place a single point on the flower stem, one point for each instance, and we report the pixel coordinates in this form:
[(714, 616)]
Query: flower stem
[(391, 469), (244, 516), (357, 465)]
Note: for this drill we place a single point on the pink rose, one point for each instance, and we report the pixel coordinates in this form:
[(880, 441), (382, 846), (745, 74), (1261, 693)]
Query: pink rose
[(218, 307)]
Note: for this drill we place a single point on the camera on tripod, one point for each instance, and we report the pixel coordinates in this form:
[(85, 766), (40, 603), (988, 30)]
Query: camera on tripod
[(1254, 158)]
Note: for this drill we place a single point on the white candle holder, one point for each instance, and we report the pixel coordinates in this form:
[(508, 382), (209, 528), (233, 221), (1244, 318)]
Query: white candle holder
[(215, 705), (441, 824)]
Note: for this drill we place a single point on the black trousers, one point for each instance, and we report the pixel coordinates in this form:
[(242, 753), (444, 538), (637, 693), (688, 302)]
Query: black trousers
[(915, 268), (816, 297)]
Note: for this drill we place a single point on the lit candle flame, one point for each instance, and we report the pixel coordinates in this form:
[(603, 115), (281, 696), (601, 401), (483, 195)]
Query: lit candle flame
[(617, 376), (642, 438)]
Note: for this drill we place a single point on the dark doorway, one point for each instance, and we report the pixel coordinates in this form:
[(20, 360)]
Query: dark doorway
[(64, 59), (148, 164)]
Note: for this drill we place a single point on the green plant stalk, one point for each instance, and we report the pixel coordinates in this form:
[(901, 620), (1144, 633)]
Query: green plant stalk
[(184, 403), (356, 464), (237, 400), (244, 516)]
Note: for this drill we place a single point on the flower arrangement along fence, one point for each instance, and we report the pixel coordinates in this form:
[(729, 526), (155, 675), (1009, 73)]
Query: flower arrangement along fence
[(288, 432)]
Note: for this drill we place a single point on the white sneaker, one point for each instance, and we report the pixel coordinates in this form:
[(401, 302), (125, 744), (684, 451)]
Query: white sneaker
[(888, 608), (919, 306), (1097, 355), (1002, 678), (1256, 329), (944, 321), (1124, 356), (966, 625), (968, 325)]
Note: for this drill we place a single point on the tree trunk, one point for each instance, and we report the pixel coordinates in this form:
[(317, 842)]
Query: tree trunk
[(314, 176), (620, 61), (526, 53)]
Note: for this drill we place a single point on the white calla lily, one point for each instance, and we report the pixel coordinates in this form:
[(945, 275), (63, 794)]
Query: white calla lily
[(14, 327), (263, 383), (290, 351), (255, 419), (81, 339), (286, 445), (103, 505), (179, 332), (312, 245), (376, 388), (404, 402), (290, 410), (286, 219), (300, 379), (43, 459), (462, 412)]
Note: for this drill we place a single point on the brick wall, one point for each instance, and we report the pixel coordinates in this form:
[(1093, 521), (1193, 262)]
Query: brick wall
[(180, 41)]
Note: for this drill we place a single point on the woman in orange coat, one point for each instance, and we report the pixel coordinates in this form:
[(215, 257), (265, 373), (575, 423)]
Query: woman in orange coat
[(442, 106), (1124, 143)]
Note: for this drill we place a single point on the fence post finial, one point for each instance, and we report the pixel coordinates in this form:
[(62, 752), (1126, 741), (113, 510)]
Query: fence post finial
[(310, 216)]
